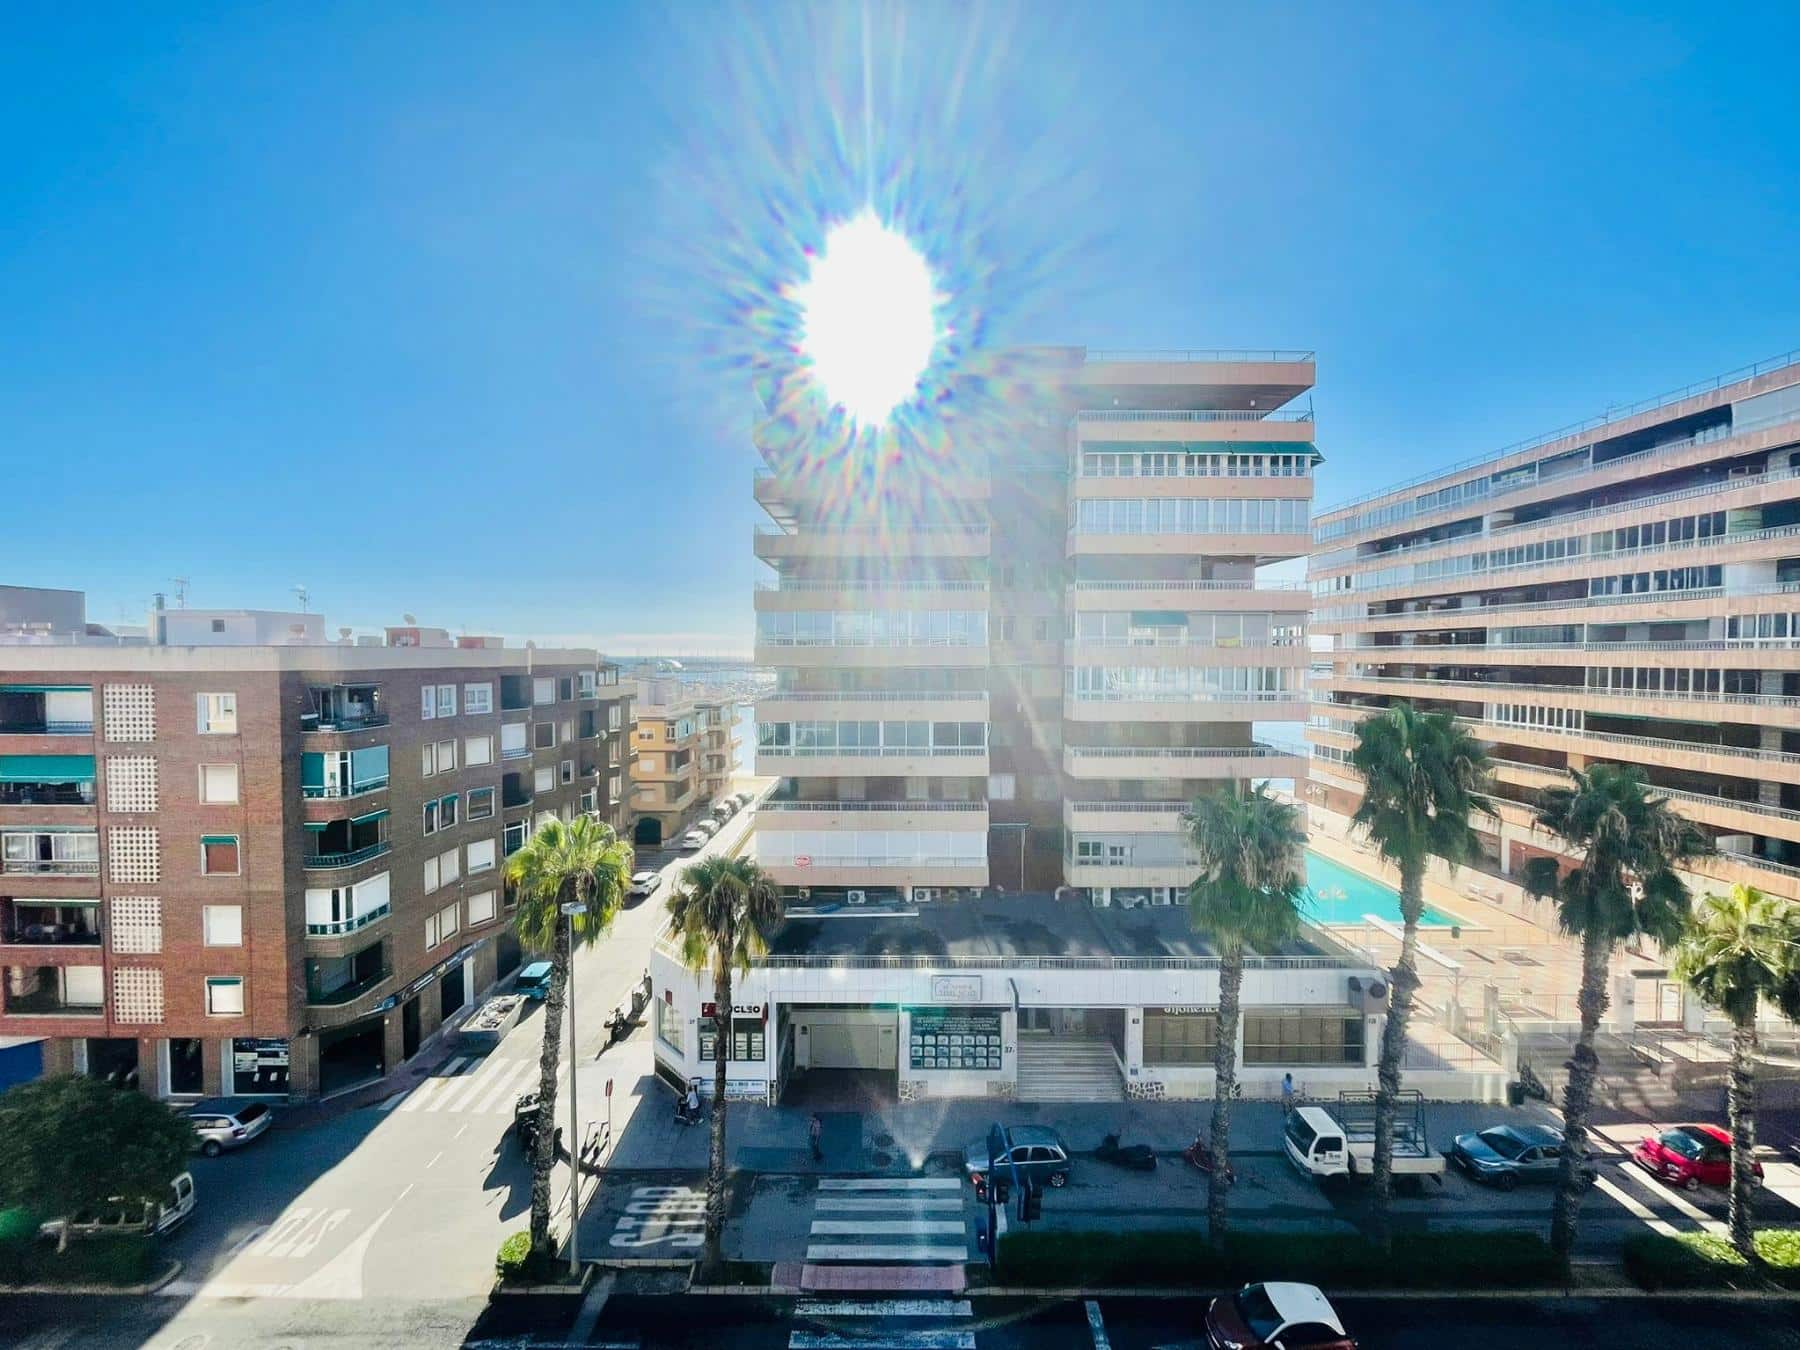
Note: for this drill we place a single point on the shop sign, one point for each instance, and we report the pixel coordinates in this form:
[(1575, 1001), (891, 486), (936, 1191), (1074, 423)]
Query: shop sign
[(259, 1066), (1182, 1012), (956, 988), (737, 1010), (942, 1039)]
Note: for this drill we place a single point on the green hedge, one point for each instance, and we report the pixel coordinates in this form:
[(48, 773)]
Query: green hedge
[(1178, 1258), (513, 1261), (123, 1261), (1704, 1261)]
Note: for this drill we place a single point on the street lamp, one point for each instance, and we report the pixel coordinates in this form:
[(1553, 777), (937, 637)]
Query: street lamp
[(570, 909)]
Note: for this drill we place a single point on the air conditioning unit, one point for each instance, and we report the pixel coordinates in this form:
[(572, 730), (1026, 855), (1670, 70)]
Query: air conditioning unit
[(803, 892), (857, 897)]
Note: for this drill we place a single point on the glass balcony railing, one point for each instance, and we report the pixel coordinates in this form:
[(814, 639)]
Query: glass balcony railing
[(348, 858), (318, 790), (344, 993), (338, 927)]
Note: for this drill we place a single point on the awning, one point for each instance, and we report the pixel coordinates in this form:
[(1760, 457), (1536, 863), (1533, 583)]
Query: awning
[(62, 902), (368, 816), (46, 768), (45, 689), (319, 825), (218, 839)]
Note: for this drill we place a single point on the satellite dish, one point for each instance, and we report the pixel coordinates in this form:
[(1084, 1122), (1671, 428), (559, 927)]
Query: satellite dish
[(407, 618), (344, 632)]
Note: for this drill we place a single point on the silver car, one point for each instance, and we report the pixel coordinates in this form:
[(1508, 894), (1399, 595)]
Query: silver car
[(228, 1122)]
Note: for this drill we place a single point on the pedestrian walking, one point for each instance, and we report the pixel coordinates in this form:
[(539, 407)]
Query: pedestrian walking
[(1287, 1095), (815, 1128)]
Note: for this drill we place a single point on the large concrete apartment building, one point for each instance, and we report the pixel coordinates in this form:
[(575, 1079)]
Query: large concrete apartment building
[(1015, 666), (1626, 591), (239, 858)]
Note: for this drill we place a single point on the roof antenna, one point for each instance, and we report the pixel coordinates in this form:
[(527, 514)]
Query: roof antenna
[(181, 585), (304, 595)]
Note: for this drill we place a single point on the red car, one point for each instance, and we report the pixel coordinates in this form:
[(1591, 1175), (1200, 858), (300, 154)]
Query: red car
[(1689, 1156), (1288, 1316)]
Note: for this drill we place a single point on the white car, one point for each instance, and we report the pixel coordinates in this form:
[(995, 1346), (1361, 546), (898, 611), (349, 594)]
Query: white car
[(643, 886), (694, 839)]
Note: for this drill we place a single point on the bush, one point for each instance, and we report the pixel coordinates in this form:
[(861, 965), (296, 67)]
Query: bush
[(122, 1261), (1706, 1261), (514, 1258), (1180, 1257)]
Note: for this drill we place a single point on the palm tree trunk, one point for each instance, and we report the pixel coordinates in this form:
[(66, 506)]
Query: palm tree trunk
[(1743, 1133), (1218, 1183), (1403, 982), (543, 1150), (1572, 1177), (715, 1159)]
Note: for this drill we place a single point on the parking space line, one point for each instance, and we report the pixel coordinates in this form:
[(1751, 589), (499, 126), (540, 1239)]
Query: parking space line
[(1097, 1326), (1632, 1205)]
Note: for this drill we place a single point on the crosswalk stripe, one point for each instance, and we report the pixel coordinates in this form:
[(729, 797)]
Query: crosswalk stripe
[(1675, 1198), (890, 1307), (394, 1100), (890, 1184), (918, 1204), (882, 1340), (423, 1093), (508, 1088), (878, 1251), (470, 1086), (1636, 1207), (886, 1228)]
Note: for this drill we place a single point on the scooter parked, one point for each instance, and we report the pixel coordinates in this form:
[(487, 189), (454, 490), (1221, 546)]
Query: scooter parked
[(1134, 1157), (1200, 1157)]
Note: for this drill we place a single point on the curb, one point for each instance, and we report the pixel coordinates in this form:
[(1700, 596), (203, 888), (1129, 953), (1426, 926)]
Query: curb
[(148, 1287)]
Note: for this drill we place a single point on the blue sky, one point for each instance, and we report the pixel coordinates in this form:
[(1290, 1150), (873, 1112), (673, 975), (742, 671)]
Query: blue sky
[(403, 302)]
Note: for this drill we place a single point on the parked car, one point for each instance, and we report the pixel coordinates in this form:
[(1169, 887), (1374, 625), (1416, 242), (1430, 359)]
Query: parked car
[(1287, 1315), (1332, 1147), (1505, 1155), (1037, 1150), (643, 886), (534, 981), (694, 839), (117, 1218), (1689, 1156), (743, 799), (707, 827), (227, 1122)]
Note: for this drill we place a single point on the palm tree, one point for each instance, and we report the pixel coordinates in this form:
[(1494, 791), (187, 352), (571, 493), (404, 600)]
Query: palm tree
[(724, 911), (1735, 951), (1246, 898), (575, 862), (1623, 887), (1423, 777)]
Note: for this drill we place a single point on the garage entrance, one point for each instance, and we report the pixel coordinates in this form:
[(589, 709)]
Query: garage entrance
[(841, 1056), (648, 831), (352, 1054)]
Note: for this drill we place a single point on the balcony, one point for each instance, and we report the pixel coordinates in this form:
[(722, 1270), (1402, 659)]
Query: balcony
[(46, 710), (49, 853), (1139, 705), (515, 693), (1260, 760), (332, 981), (515, 792), (49, 999), (1136, 816), (340, 791), (47, 794), (344, 707), (912, 541), (774, 813), (1129, 593), (872, 761), (320, 862), (48, 924), (340, 927), (46, 780)]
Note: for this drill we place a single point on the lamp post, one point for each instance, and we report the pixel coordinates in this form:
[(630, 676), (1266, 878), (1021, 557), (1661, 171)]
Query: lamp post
[(570, 909)]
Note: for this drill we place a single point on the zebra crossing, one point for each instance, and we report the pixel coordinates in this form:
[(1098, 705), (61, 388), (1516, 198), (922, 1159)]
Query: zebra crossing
[(470, 1086), (882, 1324), (891, 1219)]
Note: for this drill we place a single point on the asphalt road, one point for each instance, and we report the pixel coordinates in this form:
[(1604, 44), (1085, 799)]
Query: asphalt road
[(751, 1323)]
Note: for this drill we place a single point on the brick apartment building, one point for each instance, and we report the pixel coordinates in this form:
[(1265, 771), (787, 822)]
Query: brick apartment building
[(258, 862)]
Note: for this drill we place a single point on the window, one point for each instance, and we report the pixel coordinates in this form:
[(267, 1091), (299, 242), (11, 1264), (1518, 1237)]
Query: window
[(218, 784), (586, 683), (481, 856), (543, 689), (427, 701), (478, 750), (446, 700), (565, 688), (224, 996), (449, 866), (437, 757), (218, 625), (433, 875), (669, 1026), (1179, 1036), (481, 803), (543, 735), (512, 838), (1294, 1036), (216, 714), (442, 926), (478, 698), (1002, 787), (590, 801), (543, 778), (222, 925), (512, 740), (566, 771), (218, 855), (747, 1039), (613, 716), (431, 819), (482, 906)]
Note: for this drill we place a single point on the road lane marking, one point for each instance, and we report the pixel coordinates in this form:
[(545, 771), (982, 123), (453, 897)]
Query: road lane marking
[(885, 1228), (433, 1162), (840, 1251), (894, 1307), (1097, 1326), (939, 1339), (920, 1205), (1687, 1207), (1635, 1207), (890, 1184)]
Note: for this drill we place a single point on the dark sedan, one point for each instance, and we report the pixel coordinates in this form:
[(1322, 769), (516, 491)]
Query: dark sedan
[(1505, 1155)]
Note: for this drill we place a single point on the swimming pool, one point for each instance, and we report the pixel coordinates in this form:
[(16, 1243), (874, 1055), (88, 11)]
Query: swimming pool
[(1335, 894)]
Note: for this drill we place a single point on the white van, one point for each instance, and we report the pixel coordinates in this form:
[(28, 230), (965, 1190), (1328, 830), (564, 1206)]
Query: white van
[(117, 1218)]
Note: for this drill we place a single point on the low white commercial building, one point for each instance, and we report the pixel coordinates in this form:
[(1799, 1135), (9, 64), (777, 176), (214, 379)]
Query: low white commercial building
[(1016, 997)]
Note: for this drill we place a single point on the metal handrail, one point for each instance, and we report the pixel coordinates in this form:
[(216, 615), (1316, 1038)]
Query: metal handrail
[(1584, 691), (765, 641), (774, 804), (875, 696), (1164, 696), (1261, 750), (311, 722), (1472, 613), (1148, 585), (1611, 415), (1194, 415), (1184, 640), (324, 861), (1047, 963), (338, 790), (881, 860), (1677, 794), (1590, 513), (1180, 355), (46, 728), (1134, 808), (1451, 649), (776, 532), (868, 752), (50, 867), (338, 927)]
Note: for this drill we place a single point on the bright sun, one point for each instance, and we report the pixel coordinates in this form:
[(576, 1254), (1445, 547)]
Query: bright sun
[(867, 322)]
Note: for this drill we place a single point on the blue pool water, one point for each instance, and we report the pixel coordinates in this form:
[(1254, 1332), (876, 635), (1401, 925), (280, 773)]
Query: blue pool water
[(1335, 894)]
